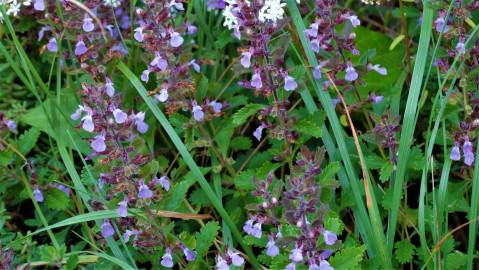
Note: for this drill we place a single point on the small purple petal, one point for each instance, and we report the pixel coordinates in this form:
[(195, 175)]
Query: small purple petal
[(256, 81), (98, 143), (291, 266), (246, 59), (217, 106), (120, 116), (198, 113), (272, 249), (455, 153), (39, 5), (38, 195), (324, 265), (145, 75), (329, 237), (139, 34), (109, 87), (163, 96), (106, 229), (195, 65), (52, 45), (144, 192), (355, 22), (87, 123), (221, 264), (88, 25), (11, 125), (290, 83), (176, 40), (296, 255), (190, 255), (164, 183), (317, 72), (351, 74), (167, 259), (258, 133), (122, 209), (80, 48), (236, 259)]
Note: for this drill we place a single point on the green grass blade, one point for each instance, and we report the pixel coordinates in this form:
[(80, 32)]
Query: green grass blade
[(409, 119), (188, 160), (473, 213)]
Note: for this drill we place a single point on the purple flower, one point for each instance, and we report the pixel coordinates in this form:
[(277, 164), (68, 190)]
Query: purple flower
[(176, 40), (62, 188), (272, 249), (355, 22), (290, 83), (129, 233), (317, 72), (296, 254), (329, 237), (312, 31), (109, 87), (120, 116), (87, 123), (38, 195), (41, 33), (313, 267), (144, 191), (335, 101), (167, 259), (52, 45), (190, 255), (468, 153), (11, 125), (88, 25), (195, 65), (381, 70), (39, 5), (455, 152), (221, 263), (163, 96), (80, 48), (139, 119), (139, 34), (98, 143), (164, 183), (256, 80), (236, 259), (106, 229), (191, 29), (324, 265), (246, 59), (122, 209), (291, 266), (159, 62), (351, 74), (77, 114), (440, 23), (252, 229), (461, 47), (217, 106), (258, 133), (198, 113), (145, 75)]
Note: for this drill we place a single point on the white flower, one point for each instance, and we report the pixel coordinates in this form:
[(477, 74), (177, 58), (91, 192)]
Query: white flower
[(230, 19), (272, 10), (112, 3)]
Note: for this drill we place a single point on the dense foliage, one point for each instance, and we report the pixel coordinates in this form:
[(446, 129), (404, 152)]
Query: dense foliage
[(239, 134)]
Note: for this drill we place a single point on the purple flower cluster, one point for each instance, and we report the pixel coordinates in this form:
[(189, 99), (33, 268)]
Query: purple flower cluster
[(302, 209), (232, 257)]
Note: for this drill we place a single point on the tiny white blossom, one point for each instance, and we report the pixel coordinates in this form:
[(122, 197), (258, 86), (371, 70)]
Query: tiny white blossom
[(272, 10)]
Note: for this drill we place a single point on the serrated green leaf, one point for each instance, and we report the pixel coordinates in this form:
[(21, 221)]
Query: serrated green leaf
[(244, 113), (328, 173), (404, 251), (199, 198), (348, 258), (333, 224), (456, 260), (28, 140), (308, 127), (241, 143), (205, 238), (386, 171), (56, 199)]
